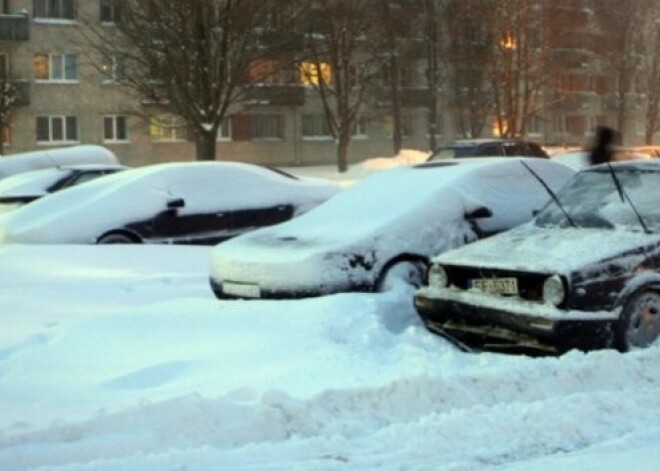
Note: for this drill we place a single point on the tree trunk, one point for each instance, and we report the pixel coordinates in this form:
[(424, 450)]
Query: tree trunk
[(342, 152), (205, 143), (397, 127)]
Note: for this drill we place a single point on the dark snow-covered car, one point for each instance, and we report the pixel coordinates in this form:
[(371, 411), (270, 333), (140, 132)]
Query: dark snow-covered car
[(584, 274), (22, 188), (385, 227), (488, 147), (191, 203)]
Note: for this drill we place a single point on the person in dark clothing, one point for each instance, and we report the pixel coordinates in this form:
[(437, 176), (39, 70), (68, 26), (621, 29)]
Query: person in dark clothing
[(602, 151)]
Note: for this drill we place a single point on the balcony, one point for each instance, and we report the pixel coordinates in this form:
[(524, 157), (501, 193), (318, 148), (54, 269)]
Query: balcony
[(274, 95), (14, 28)]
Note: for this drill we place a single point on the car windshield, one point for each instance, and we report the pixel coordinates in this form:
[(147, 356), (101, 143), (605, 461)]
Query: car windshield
[(592, 199), (453, 152)]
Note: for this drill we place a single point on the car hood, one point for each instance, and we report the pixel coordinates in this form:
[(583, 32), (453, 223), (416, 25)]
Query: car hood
[(550, 250)]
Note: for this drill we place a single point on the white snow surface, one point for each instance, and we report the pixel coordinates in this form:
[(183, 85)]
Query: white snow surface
[(118, 357)]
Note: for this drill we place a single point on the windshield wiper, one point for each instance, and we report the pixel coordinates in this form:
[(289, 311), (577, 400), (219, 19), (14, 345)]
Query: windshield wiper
[(552, 194), (623, 194)]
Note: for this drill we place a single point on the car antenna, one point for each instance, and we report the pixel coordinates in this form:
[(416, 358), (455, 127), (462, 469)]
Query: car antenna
[(552, 194), (623, 194)]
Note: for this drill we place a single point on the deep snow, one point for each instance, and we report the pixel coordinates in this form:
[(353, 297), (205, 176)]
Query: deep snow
[(119, 358)]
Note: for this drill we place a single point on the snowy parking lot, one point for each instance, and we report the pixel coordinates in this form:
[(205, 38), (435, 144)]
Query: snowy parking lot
[(120, 358)]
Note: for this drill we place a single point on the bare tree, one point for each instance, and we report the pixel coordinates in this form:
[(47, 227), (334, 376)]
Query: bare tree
[(466, 50), (192, 57), (651, 71), (8, 100), (517, 67), (621, 24), (337, 66), (391, 38)]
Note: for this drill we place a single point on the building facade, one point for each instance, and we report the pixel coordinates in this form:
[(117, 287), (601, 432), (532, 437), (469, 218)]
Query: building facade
[(65, 99)]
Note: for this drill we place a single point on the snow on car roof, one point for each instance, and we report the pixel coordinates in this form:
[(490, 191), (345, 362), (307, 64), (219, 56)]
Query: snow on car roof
[(81, 212), (36, 182), (81, 154)]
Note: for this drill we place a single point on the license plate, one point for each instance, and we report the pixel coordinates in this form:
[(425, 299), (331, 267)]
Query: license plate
[(244, 290), (496, 285)]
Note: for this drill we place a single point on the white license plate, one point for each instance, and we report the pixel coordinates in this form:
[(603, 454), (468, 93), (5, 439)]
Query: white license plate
[(496, 285), (244, 290)]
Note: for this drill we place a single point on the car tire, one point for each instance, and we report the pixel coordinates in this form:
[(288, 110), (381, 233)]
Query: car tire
[(116, 238), (639, 323), (409, 272)]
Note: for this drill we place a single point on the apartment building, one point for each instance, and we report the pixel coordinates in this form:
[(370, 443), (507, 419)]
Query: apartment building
[(66, 99)]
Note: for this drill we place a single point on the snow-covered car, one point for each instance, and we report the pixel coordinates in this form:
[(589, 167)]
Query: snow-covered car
[(22, 188), (74, 155), (192, 203), (385, 227), (584, 273)]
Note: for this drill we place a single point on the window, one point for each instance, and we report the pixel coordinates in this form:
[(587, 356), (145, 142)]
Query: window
[(312, 73), (55, 9), (115, 128), (224, 131), (315, 126), (4, 66), (168, 128), (113, 69), (55, 67), (57, 129), (109, 11), (267, 126), (360, 129)]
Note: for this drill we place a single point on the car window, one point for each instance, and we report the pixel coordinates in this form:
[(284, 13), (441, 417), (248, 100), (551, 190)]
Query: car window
[(489, 149)]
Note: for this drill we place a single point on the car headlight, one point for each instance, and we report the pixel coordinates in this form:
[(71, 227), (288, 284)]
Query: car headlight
[(553, 290), (437, 276)]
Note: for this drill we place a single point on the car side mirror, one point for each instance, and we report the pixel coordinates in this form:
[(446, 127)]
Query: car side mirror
[(176, 203), (481, 212)]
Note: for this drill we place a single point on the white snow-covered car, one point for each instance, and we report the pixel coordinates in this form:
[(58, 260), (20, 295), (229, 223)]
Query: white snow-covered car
[(25, 187), (192, 203), (48, 158), (386, 226)]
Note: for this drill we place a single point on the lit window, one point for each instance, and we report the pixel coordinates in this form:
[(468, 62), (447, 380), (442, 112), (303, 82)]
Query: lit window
[(55, 9), (267, 126), (55, 67), (313, 74), (57, 129), (168, 128), (115, 128)]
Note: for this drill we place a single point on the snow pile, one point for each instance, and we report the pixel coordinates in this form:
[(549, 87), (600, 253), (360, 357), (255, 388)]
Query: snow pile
[(118, 358)]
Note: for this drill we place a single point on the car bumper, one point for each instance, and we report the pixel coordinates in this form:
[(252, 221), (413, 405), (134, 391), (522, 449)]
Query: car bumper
[(233, 290), (488, 322)]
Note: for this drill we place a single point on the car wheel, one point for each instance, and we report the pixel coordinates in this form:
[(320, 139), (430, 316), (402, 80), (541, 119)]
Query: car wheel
[(116, 238), (408, 272), (639, 324)]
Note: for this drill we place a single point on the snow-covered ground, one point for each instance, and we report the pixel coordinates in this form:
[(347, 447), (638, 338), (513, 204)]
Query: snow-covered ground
[(119, 358)]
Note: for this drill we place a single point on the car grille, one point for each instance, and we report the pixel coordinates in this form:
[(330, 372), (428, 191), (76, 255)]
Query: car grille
[(530, 285)]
